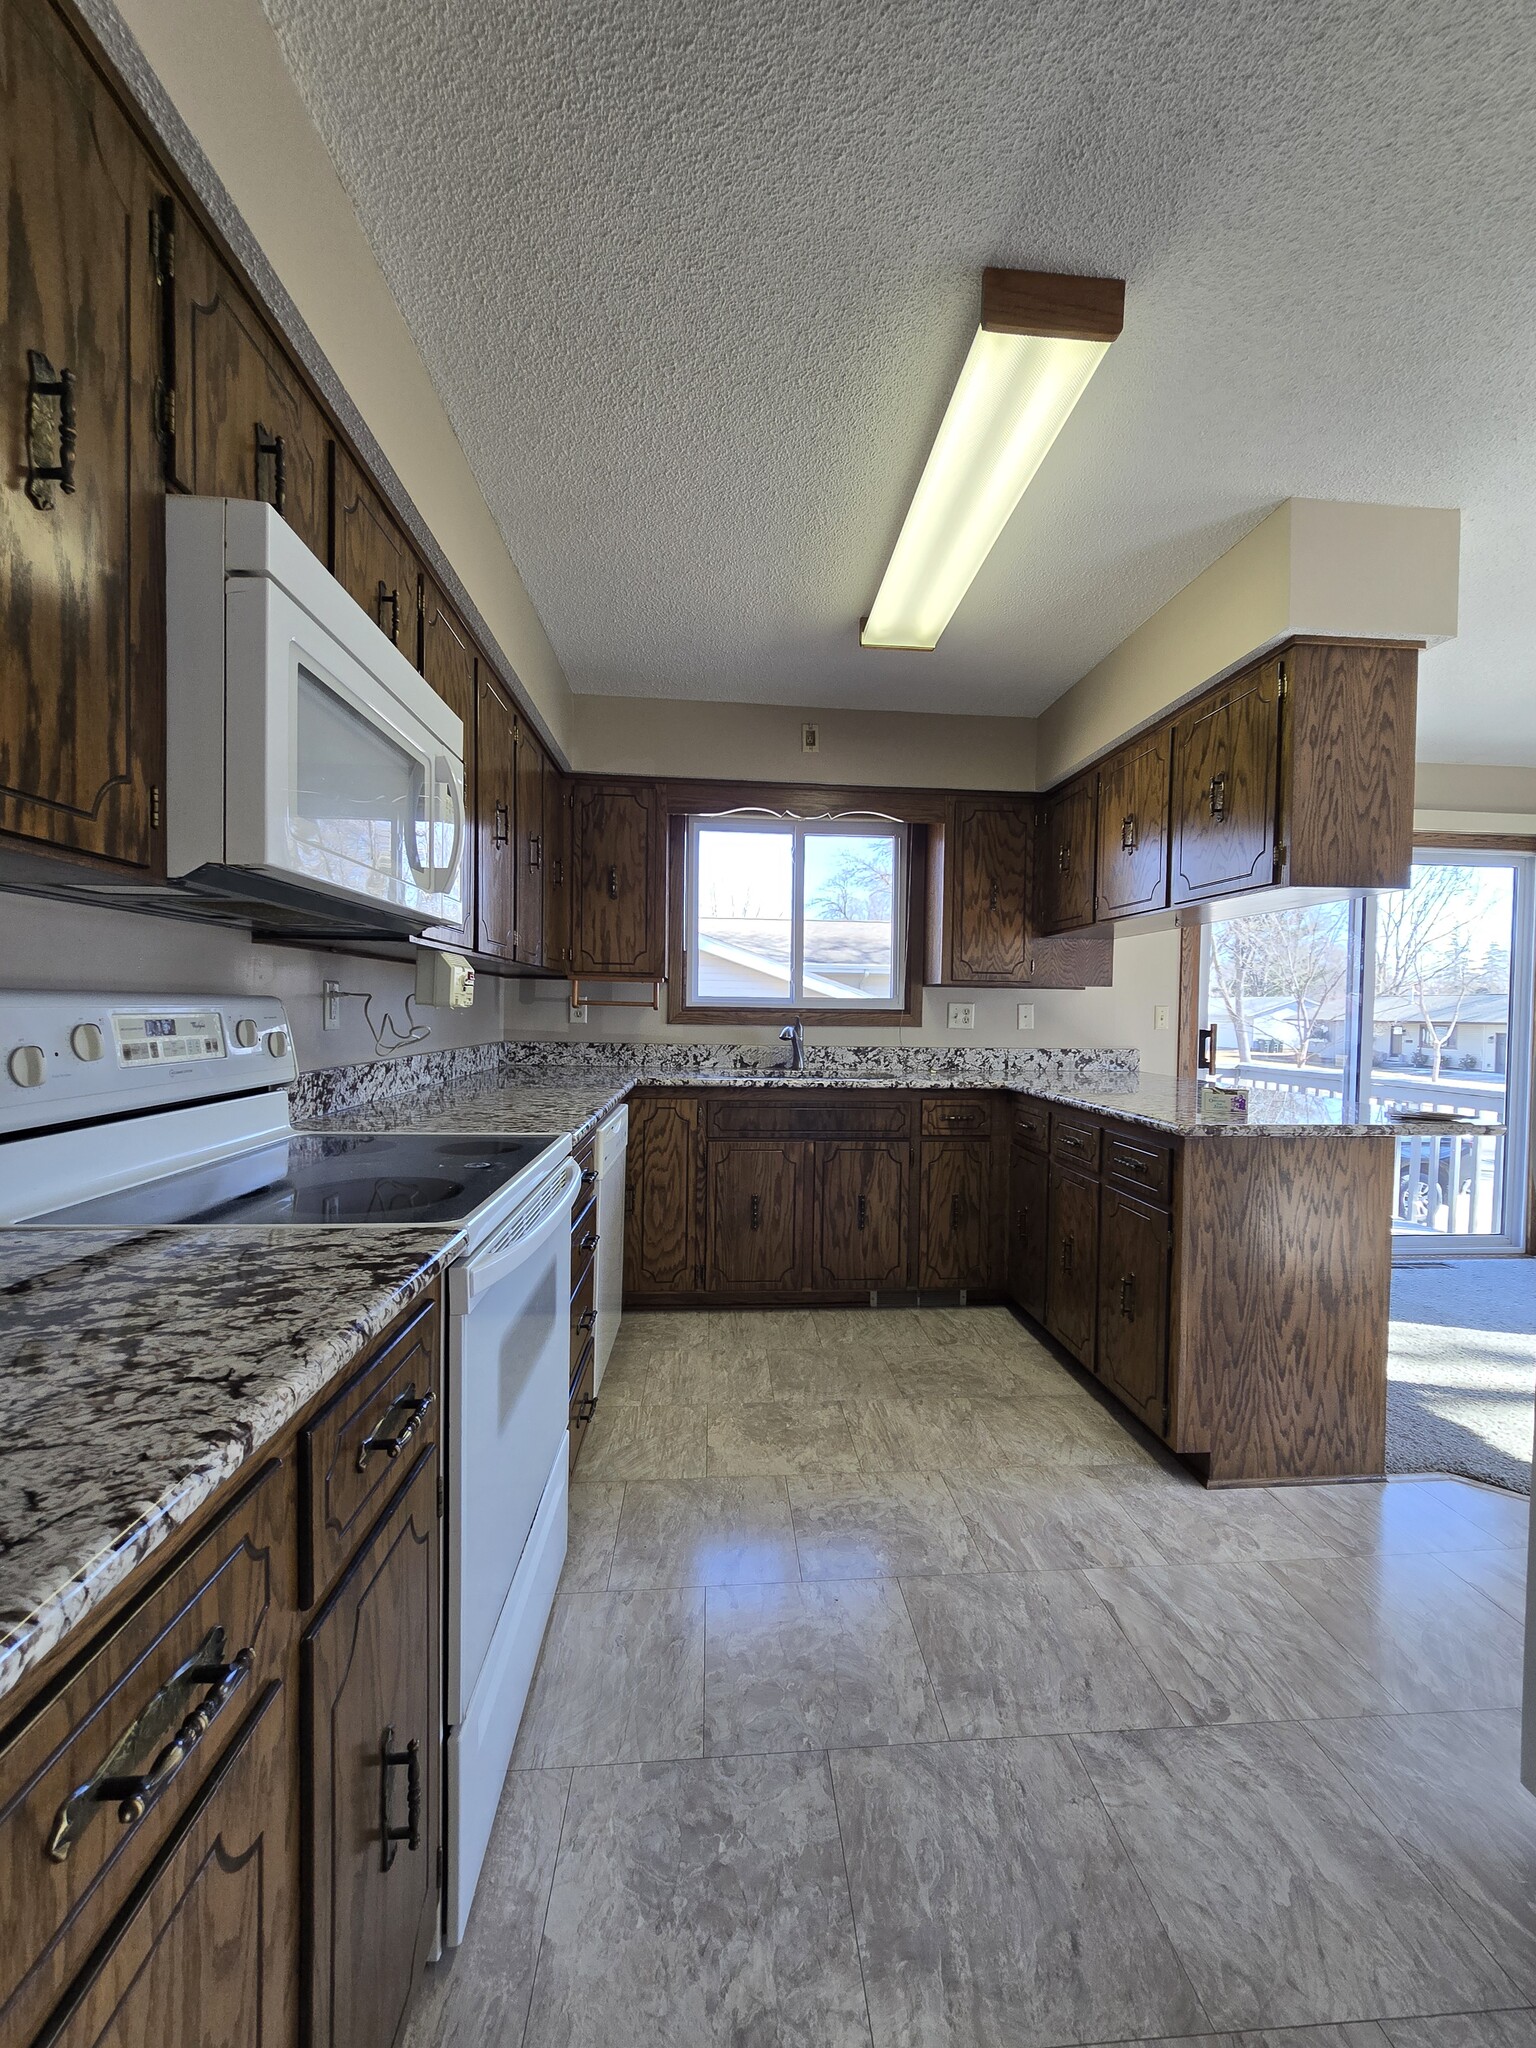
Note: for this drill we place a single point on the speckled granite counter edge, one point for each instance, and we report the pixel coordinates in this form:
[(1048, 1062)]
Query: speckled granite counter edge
[(27, 1641)]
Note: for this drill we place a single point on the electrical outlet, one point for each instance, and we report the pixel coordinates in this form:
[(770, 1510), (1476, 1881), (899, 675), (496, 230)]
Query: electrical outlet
[(1026, 1016), (810, 739), (962, 1016), (330, 1005), (1160, 1015), (578, 1013)]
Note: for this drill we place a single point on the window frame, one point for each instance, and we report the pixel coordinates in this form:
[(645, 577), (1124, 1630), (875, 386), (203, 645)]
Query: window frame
[(684, 1006)]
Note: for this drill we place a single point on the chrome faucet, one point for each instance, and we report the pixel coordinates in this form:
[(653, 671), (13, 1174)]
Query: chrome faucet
[(794, 1037)]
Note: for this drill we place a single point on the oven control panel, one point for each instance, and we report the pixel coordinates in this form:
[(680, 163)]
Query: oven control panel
[(68, 1058)]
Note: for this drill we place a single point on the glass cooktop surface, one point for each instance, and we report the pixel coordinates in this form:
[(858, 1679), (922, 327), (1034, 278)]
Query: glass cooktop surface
[(389, 1177)]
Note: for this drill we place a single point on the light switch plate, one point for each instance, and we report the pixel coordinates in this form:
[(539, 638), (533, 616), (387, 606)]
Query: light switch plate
[(1026, 1016), (1160, 1015), (962, 1016)]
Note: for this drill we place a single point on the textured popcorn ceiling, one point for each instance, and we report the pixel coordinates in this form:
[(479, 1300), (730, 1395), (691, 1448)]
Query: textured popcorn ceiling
[(695, 280)]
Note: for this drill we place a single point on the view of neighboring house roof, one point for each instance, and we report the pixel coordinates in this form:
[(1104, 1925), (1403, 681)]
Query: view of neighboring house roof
[(830, 943)]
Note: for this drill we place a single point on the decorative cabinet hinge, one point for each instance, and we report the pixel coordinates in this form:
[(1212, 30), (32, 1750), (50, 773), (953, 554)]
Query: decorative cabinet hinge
[(162, 241), (1279, 859), (1282, 682), (440, 1496)]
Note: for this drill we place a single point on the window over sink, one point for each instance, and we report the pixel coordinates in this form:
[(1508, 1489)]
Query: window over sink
[(796, 916)]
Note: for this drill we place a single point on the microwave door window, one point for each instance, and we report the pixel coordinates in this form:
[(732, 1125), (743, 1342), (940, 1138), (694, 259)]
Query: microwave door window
[(362, 806)]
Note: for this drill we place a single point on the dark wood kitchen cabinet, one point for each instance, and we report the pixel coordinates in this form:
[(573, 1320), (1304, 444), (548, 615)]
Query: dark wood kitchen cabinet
[(528, 848), (758, 1195), (1135, 1245), (1133, 829), (495, 802), (619, 861), (1065, 857), (1071, 1256), (663, 1195), (370, 556), (955, 1213), (373, 1729), (1225, 767), (987, 872), (450, 665), (240, 421), (557, 869), (82, 556), (1028, 1204), (862, 1209)]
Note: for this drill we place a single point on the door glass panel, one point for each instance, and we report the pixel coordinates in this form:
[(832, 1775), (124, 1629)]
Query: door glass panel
[(744, 883), (1440, 1040), (850, 902), (360, 817)]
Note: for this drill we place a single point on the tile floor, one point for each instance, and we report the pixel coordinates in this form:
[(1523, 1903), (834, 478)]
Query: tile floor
[(899, 1693)]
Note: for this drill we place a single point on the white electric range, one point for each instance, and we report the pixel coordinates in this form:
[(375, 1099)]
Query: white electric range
[(132, 1112)]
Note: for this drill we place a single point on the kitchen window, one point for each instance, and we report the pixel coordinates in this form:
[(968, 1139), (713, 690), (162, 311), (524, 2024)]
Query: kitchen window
[(804, 917)]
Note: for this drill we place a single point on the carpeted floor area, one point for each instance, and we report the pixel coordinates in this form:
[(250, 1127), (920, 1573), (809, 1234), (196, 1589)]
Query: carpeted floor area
[(1461, 1369)]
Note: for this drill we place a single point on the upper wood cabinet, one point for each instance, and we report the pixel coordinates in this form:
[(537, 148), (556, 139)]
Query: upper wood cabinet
[(861, 1215), (1347, 732), (450, 665), (663, 1251), (373, 1728), (495, 804), (528, 848), (557, 869), (619, 860), (986, 876), (1133, 829), (370, 557), (240, 421), (1226, 758), (759, 1189), (82, 569), (1065, 856)]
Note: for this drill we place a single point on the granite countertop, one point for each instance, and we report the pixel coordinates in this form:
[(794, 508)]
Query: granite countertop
[(1164, 1104), (139, 1370), (489, 1108)]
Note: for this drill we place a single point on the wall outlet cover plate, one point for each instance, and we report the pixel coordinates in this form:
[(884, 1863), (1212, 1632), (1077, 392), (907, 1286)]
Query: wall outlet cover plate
[(962, 1016), (1026, 1016)]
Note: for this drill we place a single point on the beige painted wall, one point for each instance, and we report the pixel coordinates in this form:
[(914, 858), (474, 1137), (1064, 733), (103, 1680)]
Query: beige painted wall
[(1441, 789), (671, 736), (221, 66), (1372, 571)]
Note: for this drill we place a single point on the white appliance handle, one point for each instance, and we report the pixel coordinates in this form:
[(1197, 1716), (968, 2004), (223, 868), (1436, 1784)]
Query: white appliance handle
[(444, 778), (527, 1232), (422, 870)]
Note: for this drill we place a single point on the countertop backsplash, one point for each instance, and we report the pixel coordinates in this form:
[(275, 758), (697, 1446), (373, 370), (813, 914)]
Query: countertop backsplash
[(335, 1091)]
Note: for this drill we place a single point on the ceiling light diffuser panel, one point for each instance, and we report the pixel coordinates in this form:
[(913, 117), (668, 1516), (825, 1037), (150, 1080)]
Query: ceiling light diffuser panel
[(1041, 339)]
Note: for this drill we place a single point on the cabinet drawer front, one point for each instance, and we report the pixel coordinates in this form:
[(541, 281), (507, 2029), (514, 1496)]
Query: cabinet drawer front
[(1032, 1125), (356, 1451), (211, 1635), (945, 1116), (583, 1403), (763, 1117), (1075, 1141), (583, 1312), (1146, 1168)]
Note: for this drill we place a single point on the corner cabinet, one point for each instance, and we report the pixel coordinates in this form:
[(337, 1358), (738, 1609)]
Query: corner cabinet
[(619, 864), (986, 901), (1066, 857), (82, 570), (663, 1196)]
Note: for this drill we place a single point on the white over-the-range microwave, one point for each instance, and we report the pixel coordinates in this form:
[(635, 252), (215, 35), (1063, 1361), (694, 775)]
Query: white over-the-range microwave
[(309, 767)]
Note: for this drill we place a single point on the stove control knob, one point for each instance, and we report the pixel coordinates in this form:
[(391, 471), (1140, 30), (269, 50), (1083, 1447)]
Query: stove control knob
[(246, 1033), (27, 1066), (277, 1043), (85, 1042)]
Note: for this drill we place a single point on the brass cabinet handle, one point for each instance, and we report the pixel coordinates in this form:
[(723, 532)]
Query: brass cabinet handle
[(586, 1319), (273, 447), (588, 1241), (501, 824), (392, 599), (49, 391), (992, 900), (954, 1212), (390, 1760), (613, 883), (535, 849), (1128, 1297), (137, 1791), (1066, 1253), (863, 1212), (1218, 796), (1128, 833), (1063, 860), (757, 1211), (586, 1408), (414, 1408), (588, 1175)]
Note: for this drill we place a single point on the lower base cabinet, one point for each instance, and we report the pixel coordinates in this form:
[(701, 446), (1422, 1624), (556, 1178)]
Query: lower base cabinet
[(1135, 1246), (956, 1216), (1028, 1205), (757, 1202), (1072, 1257), (861, 1194)]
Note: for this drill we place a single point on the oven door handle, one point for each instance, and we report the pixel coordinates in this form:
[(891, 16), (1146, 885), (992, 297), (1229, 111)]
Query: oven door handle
[(506, 1252)]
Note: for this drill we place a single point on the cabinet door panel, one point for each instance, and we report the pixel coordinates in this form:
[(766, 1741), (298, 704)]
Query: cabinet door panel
[(1028, 1203), (495, 798), (1133, 1304), (988, 906), (662, 1238), (82, 577), (372, 1690), (956, 1213), (757, 1198), (557, 869), (449, 663), (1072, 1250), (1066, 857), (1225, 763), (528, 849), (861, 1211), (208, 1956), (245, 423), (619, 913), (1133, 829), (370, 557)]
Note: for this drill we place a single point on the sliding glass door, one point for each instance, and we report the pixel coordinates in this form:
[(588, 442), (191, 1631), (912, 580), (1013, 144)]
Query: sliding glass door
[(1415, 999)]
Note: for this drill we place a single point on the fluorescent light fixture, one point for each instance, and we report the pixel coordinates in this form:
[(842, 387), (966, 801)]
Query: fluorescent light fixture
[(1040, 341)]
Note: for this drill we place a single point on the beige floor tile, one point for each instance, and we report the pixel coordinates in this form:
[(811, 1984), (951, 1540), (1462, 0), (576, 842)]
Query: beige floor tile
[(1402, 1515), (901, 1435), (780, 1437), (645, 1440), (593, 1521), (620, 1679), (1498, 1573), (1504, 1517), (880, 1525), (704, 1532), (828, 1376), (1045, 1521), (1193, 1524), (707, 1378)]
